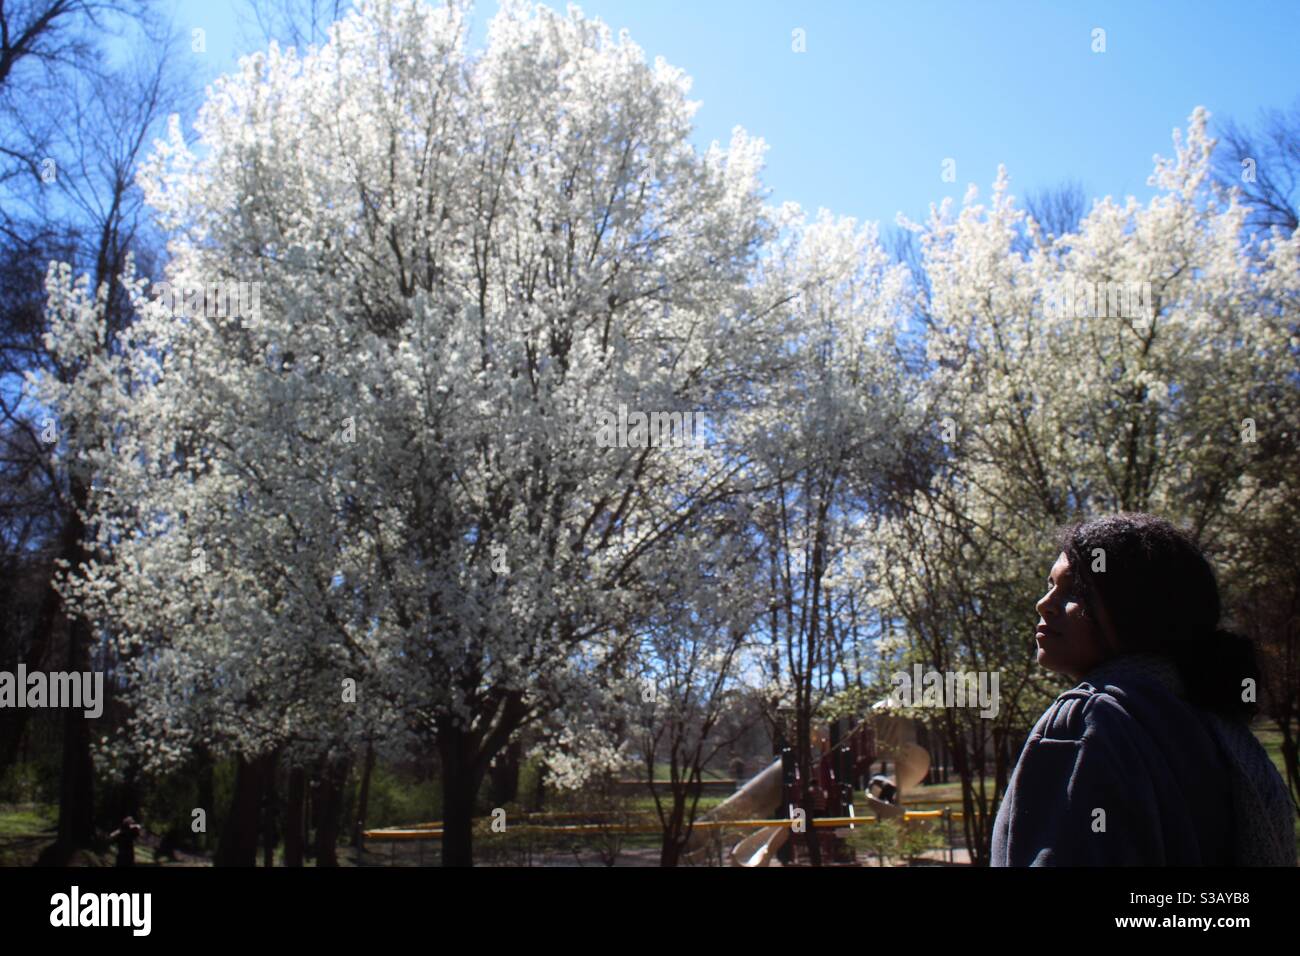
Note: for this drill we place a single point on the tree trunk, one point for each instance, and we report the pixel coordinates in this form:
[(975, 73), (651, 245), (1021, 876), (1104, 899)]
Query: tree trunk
[(330, 795), (129, 795), (294, 838), (13, 720), (77, 781), (460, 782), (238, 844), (270, 815), (207, 798), (504, 775), (804, 751), (670, 850), (539, 789), (363, 800)]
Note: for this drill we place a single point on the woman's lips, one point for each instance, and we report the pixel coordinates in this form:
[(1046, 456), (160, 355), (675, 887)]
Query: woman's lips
[(1043, 632)]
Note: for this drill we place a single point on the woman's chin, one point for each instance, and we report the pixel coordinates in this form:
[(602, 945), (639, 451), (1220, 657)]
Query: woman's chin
[(1047, 662)]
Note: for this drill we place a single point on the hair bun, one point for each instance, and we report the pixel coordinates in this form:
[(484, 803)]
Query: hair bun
[(1219, 671)]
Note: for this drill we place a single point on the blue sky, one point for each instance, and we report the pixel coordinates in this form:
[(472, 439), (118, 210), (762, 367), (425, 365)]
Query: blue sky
[(886, 91)]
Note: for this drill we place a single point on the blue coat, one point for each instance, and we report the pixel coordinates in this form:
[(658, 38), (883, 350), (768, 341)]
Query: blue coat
[(1123, 771)]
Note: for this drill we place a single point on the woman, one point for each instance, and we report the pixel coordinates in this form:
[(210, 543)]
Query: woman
[(1149, 761)]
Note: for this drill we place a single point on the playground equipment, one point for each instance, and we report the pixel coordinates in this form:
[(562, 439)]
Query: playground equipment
[(844, 753), (763, 815)]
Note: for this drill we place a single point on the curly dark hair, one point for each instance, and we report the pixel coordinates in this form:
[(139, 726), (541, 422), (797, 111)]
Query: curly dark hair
[(1162, 597)]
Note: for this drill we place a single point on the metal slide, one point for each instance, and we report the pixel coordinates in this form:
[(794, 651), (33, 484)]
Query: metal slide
[(896, 743)]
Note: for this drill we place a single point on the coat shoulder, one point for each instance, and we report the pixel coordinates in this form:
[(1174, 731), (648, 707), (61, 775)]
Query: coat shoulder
[(1078, 712)]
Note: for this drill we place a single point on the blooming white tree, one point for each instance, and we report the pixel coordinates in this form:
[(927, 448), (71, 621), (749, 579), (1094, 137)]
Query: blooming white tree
[(1108, 401), (388, 471), (376, 498), (685, 674), (818, 443), (1126, 366)]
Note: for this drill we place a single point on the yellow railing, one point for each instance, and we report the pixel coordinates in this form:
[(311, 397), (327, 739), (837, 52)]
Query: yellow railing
[(433, 831)]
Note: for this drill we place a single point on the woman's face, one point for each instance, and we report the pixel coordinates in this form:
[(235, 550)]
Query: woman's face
[(1068, 641)]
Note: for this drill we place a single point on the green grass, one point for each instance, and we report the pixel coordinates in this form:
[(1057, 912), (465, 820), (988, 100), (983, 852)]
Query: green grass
[(24, 820), (936, 793), (664, 772), (395, 802), (25, 830), (646, 804)]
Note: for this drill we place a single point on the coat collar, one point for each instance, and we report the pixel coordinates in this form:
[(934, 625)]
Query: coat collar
[(1141, 665)]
